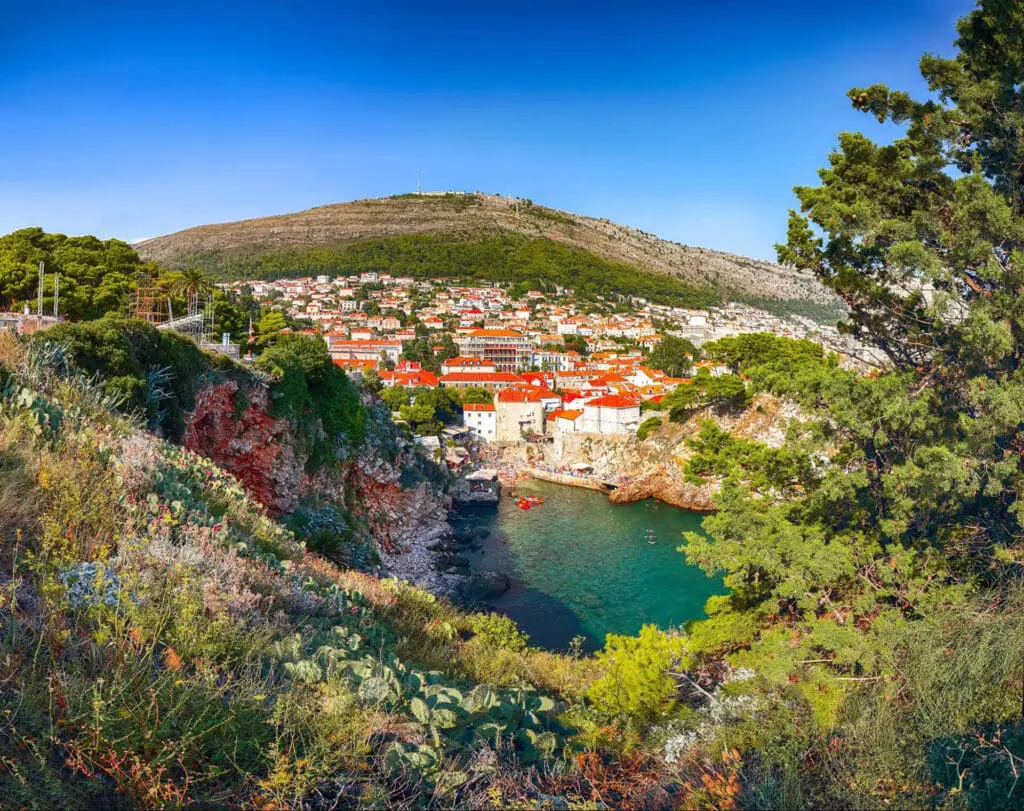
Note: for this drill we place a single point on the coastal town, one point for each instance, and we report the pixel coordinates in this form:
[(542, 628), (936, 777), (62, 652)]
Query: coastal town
[(536, 365)]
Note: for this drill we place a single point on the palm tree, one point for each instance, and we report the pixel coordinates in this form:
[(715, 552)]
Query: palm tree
[(189, 282)]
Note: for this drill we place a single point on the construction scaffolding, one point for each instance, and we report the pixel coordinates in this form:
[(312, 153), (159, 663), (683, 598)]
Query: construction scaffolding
[(151, 303), (147, 302), (197, 322)]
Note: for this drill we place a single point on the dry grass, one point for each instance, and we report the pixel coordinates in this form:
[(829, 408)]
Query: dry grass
[(19, 491)]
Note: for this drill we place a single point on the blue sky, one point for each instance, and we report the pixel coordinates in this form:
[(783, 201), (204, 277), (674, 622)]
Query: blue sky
[(691, 120)]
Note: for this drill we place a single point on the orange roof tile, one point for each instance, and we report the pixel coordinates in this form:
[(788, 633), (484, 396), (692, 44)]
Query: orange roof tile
[(614, 401)]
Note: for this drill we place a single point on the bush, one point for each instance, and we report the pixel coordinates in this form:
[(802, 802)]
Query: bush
[(499, 631), (638, 685), (648, 427), (315, 396), (154, 372)]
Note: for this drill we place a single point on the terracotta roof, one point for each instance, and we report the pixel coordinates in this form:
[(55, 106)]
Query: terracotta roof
[(520, 396), (367, 344), (353, 363), (614, 401), (565, 414), (478, 407), (486, 377), (417, 377), (495, 333)]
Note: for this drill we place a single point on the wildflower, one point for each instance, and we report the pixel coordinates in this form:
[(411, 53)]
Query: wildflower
[(178, 682), (259, 697), (44, 479), (172, 661)]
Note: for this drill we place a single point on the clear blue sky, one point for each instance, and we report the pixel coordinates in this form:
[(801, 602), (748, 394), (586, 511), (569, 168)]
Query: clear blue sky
[(692, 120)]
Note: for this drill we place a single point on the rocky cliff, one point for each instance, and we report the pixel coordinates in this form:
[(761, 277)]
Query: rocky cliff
[(386, 494), (655, 467)]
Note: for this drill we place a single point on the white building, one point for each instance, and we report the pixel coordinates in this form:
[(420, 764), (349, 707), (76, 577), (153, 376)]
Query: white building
[(611, 414), (481, 420)]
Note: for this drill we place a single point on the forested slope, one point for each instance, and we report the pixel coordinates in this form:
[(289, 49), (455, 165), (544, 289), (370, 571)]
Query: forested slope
[(477, 236)]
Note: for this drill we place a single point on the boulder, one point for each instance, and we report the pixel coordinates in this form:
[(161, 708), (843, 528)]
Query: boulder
[(483, 585)]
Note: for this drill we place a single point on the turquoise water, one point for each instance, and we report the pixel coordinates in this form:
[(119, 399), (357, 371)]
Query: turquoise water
[(582, 566)]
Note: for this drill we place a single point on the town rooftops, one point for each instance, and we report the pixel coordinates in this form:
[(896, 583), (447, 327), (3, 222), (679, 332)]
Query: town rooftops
[(478, 407), (367, 343), (484, 377), (614, 401), (416, 377), (467, 363)]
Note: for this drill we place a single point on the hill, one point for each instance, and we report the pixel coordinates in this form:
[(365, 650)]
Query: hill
[(477, 236)]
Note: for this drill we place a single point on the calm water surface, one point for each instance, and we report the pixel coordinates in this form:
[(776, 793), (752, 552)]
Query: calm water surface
[(582, 566)]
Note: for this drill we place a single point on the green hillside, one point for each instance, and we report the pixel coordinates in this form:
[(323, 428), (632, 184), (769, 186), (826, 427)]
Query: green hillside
[(509, 259)]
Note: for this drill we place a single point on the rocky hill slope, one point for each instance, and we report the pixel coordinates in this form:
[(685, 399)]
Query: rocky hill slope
[(472, 217)]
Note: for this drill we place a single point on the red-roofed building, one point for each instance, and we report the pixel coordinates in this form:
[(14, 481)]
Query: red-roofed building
[(355, 368), (611, 414), (409, 379), (519, 412), (480, 419), (492, 381), (467, 365), (363, 350), (564, 421)]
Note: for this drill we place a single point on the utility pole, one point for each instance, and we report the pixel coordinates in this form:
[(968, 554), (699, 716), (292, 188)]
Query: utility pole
[(56, 296), (419, 176), (39, 303)]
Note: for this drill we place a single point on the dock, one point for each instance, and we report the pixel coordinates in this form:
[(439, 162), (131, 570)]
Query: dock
[(571, 479)]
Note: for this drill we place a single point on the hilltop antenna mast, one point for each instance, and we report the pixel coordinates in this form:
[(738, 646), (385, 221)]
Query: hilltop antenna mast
[(419, 176), (39, 303)]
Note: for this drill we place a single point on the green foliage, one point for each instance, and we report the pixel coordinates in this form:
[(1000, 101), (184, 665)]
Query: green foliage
[(764, 470), (673, 356), (638, 684), (499, 631), (705, 390), (475, 394), (540, 263), (152, 372), (576, 343), (315, 396), (426, 410), (648, 427), (96, 276), (744, 352), (270, 325)]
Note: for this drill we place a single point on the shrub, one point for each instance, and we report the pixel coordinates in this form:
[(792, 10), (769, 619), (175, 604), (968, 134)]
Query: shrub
[(648, 427), (499, 631), (154, 372), (315, 396), (638, 685)]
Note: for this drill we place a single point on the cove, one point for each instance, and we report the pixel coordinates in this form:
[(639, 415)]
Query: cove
[(581, 566)]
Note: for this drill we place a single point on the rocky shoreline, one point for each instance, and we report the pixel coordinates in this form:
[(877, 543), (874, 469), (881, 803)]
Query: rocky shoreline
[(435, 559), (433, 553)]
